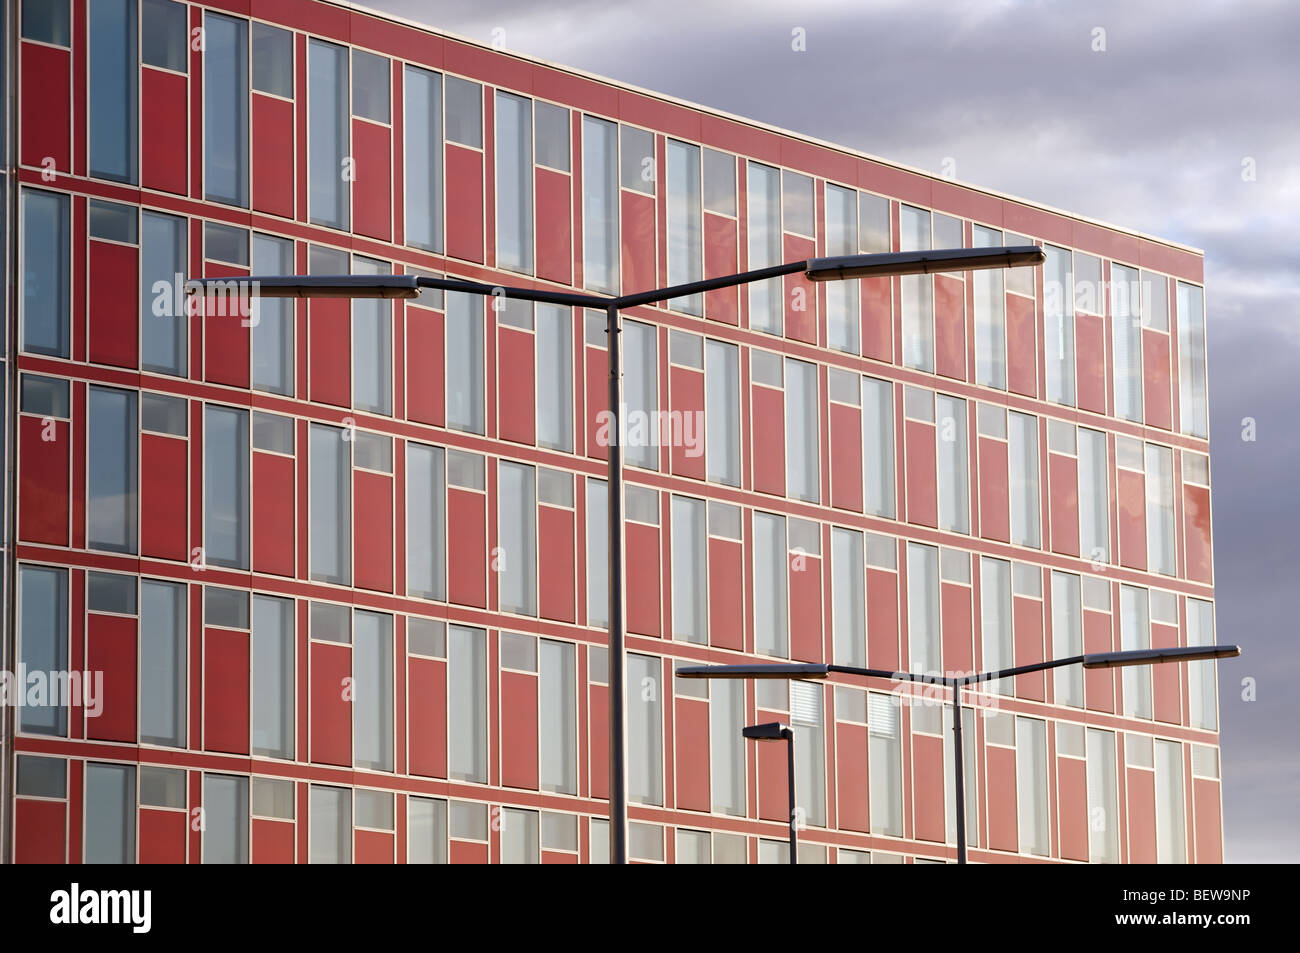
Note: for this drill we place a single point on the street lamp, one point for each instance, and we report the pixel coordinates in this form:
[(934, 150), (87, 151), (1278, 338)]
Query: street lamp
[(806, 670), (779, 731), (814, 269)]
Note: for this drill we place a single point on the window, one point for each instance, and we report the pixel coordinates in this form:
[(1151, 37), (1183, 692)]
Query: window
[(685, 255), (554, 342), (110, 813), (225, 484), (273, 60), (330, 825), (873, 223), (771, 579), (1094, 499), (43, 640), (1160, 510), (46, 21), (995, 619), (558, 718), (327, 131), (551, 137), (1126, 334), (1058, 325), (467, 704), (953, 464), (273, 688), (42, 777), (1135, 633), (727, 746), (514, 183), (990, 316), (809, 740), (1171, 839), (114, 68), (426, 830), (1103, 809), (422, 108), (163, 319), (801, 434), (722, 412), (464, 362), (690, 571), (111, 485), (372, 681), (848, 598), (1031, 785), (925, 652), (225, 819), (162, 787), (766, 306), (644, 731), (1192, 401), (370, 74), (970, 789), (163, 637), (1022, 452), (426, 522), (225, 110), (878, 446), (372, 344), (597, 553), (1067, 638), (45, 268), (272, 325), (843, 330), (1202, 689), (917, 300), (641, 394), (600, 253), (519, 838), (517, 535), (885, 760), (331, 504), (464, 112)]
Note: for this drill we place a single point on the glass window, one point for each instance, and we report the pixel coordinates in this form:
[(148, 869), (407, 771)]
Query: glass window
[(372, 344), (1155, 301), (426, 522), (465, 362), (273, 697), (272, 60), (722, 412), (164, 322), (801, 456), (878, 446), (330, 825), (230, 244), (1135, 633), (111, 484), (843, 330), (885, 754), (519, 840), (766, 307), (1067, 638), (924, 641), (46, 396), (685, 255), (552, 135), (464, 112), (995, 619), (1191, 360), (225, 465), (1171, 839), (1126, 334), (969, 761), (467, 704), (1088, 291), (225, 110), (1058, 325), (372, 704), (1094, 506), (422, 108), (1022, 455), (719, 182), (163, 673), (954, 463), (1202, 688), (727, 746), (797, 203), (1031, 785), (45, 267), (272, 320), (225, 819), (331, 504), (689, 572), (810, 743), (43, 640), (554, 344), (873, 223), (597, 553), (771, 579), (370, 74), (514, 170), (114, 68), (1160, 510), (110, 813), (641, 394), (112, 221), (637, 159), (1103, 808), (558, 718), (644, 730), (46, 21), (917, 299), (42, 777), (164, 30), (848, 598), (327, 131), (990, 316), (600, 261), (692, 847), (426, 830), (517, 533)]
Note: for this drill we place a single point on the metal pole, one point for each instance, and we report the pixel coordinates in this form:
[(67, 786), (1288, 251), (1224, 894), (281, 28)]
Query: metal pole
[(794, 826), (617, 654), (958, 753)]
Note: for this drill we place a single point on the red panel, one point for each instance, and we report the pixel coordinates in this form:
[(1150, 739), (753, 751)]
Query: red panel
[(1196, 522), (372, 847), (995, 517), (330, 350), (1132, 519), (1156, 392), (637, 241), (519, 730), (720, 247), (1141, 790), (800, 294), (769, 440), (1063, 480), (464, 203), (1027, 629), (642, 589), (598, 732), (686, 387), (806, 608), (273, 512), (162, 835), (1090, 360), (163, 497), (517, 385), (1166, 679), (957, 628), (225, 691), (427, 717), (331, 713), (928, 785), (691, 750), (1098, 683), (372, 515), (1001, 769), (558, 565), (597, 402), (877, 318), (922, 480), (115, 310), (726, 594), (39, 828), (111, 649), (163, 110), (846, 457), (372, 188), (43, 505), (463, 852), (950, 327), (467, 528), (274, 156), (1072, 796), (1209, 829), (45, 92), (225, 334), (558, 857), (882, 619), (854, 812), (425, 390), (554, 227), (1022, 346), (272, 841)]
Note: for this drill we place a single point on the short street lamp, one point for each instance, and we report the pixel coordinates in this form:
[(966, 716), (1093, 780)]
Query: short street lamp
[(779, 731), (813, 269), (802, 670)]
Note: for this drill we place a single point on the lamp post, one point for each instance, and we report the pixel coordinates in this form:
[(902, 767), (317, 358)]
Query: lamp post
[(800, 670), (814, 269), (779, 731)]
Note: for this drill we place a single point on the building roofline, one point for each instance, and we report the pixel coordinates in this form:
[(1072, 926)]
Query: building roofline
[(766, 127)]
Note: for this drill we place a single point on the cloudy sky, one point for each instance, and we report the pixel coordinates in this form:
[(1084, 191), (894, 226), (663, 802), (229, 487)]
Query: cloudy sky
[(1183, 126)]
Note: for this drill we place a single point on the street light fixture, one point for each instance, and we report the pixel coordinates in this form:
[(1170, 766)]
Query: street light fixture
[(805, 670), (815, 269), (779, 731)]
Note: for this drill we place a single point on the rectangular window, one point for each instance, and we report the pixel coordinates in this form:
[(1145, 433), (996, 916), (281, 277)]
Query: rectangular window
[(990, 316), (225, 819), (331, 504), (1135, 633), (917, 299), (1031, 785), (1103, 798), (558, 717), (801, 435), (422, 109), (766, 305), (810, 743), (771, 579), (953, 465), (843, 330), (519, 838), (426, 522), (114, 101), (467, 704), (597, 553), (372, 681), (225, 110), (517, 533), (1067, 638), (1094, 497), (110, 813), (685, 255), (330, 825), (426, 830), (727, 746), (1022, 461), (995, 619), (43, 640), (970, 764), (163, 636), (885, 764), (848, 598), (878, 446), (328, 133), (722, 412), (600, 261), (111, 485), (1160, 510), (923, 639), (225, 484), (465, 362), (163, 263), (1126, 335), (873, 223), (551, 137), (1192, 400), (272, 327), (719, 182), (46, 22), (1171, 839), (372, 344), (1202, 687), (554, 341), (45, 271), (370, 74), (1058, 325), (464, 101), (272, 60), (273, 697), (514, 183), (689, 572), (644, 730), (641, 394)]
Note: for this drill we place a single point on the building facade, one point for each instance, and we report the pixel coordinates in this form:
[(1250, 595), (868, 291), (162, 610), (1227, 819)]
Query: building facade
[(324, 581)]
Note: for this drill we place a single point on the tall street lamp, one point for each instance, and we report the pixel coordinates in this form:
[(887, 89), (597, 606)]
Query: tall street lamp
[(804, 670), (779, 731), (813, 269)]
